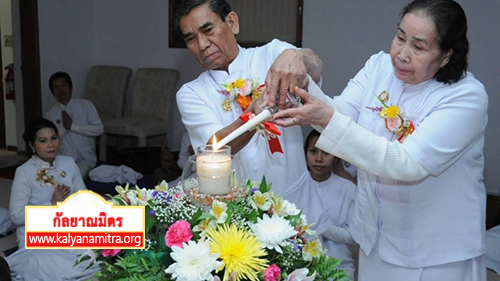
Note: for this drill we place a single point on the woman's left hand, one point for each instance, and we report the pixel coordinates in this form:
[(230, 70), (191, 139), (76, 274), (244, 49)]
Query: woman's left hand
[(312, 112)]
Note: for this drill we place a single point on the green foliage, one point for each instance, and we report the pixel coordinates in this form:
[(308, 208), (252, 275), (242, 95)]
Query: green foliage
[(327, 269), (140, 266), (264, 187)]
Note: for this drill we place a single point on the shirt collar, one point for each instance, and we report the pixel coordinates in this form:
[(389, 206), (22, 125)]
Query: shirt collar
[(409, 88), (63, 107), (234, 66), (40, 164), (325, 183)]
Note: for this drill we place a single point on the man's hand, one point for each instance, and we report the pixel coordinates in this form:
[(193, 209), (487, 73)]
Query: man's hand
[(61, 192), (287, 71), (66, 119)]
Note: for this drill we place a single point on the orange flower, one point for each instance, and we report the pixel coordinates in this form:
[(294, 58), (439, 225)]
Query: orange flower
[(244, 101)]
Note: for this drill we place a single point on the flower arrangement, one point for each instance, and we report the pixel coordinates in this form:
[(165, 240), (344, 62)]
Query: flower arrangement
[(395, 121), (243, 91), (256, 236)]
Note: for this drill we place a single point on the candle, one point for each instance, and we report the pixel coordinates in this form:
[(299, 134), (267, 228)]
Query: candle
[(214, 170), (266, 113)]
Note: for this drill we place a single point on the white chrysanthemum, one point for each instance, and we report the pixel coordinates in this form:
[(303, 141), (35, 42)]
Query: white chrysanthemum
[(273, 231), (193, 262), (290, 208)]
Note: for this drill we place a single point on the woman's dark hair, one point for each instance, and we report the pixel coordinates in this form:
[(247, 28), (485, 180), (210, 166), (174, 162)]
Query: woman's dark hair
[(451, 25), (220, 7), (60, 74), (35, 126)]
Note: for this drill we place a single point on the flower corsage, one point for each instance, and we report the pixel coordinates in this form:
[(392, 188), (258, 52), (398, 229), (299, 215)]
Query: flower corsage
[(43, 177), (243, 91), (395, 121)]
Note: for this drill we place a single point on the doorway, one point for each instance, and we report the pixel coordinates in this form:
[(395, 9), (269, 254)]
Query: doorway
[(3, 142)]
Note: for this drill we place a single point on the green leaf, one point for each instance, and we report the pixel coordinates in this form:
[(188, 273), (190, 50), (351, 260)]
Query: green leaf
[(150, 221), (263, 185), (206, 216), (197, 217)]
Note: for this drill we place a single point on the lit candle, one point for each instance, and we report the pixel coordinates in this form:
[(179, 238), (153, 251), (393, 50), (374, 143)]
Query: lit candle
[(261, 117), (214, 170)]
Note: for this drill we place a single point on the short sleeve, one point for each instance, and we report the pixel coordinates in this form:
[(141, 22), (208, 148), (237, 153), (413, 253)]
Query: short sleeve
[(92, 117), (276, 47)]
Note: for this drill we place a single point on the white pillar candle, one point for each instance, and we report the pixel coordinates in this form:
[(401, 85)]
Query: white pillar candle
[(214, 170), (266, 113)]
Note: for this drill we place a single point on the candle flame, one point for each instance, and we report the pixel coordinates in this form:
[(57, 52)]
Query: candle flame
[(214, 143)]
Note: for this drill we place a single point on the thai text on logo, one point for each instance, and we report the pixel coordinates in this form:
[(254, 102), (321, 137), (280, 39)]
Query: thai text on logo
[(85, 220)]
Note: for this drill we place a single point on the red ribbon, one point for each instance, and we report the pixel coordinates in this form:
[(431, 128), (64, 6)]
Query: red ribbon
[(272, 132)]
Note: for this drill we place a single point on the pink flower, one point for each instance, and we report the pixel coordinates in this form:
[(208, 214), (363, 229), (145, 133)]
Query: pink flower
[(110, 252), (393, 124), (272, 273), (178, 233), (246, 89)]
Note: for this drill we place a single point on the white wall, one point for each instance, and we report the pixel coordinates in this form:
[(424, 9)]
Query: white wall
[(134, 33), (67, 43), (7, 58), (362, 28)]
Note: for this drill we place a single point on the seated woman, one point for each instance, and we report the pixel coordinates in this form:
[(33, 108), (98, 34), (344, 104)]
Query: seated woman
[(325, 198), (28, 188)]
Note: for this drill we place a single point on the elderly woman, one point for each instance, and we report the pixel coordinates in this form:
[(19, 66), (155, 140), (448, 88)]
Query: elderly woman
[(413, 123), (31, 188)]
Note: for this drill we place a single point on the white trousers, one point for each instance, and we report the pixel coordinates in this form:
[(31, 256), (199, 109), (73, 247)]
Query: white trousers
[(372, 268)]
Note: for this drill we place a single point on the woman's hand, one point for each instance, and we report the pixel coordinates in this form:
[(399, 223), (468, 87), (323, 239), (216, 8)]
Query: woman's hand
[(312, 112), (61, 192)]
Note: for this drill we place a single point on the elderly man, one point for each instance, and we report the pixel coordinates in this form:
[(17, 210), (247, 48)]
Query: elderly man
[(77, 122), (211, 104)]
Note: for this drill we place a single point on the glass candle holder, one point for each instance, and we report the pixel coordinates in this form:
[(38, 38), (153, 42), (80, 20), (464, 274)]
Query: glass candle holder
[(214, 169)]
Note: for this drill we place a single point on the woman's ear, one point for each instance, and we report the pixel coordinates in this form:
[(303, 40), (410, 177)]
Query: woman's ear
[(446, 58), (233, 22), (32, 146)]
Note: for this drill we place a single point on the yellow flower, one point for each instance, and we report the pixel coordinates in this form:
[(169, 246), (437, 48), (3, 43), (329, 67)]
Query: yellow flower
[(392, 111), (239, 83), (239, 251)]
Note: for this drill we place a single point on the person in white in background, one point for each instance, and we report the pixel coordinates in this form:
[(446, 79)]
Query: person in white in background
[(325, 198), (77, 121), (44, 180)]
